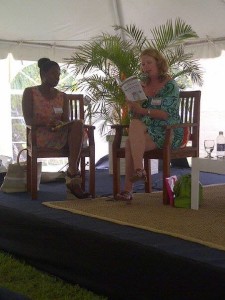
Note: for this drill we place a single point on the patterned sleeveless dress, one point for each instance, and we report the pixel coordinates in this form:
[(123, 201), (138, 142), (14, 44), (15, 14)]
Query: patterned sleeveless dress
[(167, 99), (43, 111)]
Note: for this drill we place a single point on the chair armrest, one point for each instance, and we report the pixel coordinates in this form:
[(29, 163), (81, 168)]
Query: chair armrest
[(31, 131), (181, 125), (89, 127), (169, 131), (119, 130)]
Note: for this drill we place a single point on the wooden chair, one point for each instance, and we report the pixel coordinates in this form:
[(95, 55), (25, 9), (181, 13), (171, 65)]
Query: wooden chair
[(190, 118), (76, 103)]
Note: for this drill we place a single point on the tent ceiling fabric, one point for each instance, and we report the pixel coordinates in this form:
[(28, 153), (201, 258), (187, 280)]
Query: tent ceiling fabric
[(31, 29)]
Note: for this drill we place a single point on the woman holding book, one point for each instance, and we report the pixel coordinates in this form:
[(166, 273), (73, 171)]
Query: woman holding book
[(146, 131), (47, 106)]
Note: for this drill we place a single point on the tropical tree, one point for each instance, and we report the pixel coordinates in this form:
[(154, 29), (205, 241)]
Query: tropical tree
[(99, 62)]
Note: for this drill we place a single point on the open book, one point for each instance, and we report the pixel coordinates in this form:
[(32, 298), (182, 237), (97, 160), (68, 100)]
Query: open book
[(132, 89)]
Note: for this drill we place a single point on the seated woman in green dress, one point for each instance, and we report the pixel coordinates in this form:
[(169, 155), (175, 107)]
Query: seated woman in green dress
[(146, 130)]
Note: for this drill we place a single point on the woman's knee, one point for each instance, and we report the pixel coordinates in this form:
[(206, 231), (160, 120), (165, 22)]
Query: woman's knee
[(149, 143), (136, 125)]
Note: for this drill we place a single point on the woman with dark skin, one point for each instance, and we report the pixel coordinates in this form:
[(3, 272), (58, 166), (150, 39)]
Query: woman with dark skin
[(46, 106)]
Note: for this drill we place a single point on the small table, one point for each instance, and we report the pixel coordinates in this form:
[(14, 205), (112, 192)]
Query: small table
[(212, 165)]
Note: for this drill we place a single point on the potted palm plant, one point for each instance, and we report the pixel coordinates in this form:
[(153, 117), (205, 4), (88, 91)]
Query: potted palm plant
[(97, 63)]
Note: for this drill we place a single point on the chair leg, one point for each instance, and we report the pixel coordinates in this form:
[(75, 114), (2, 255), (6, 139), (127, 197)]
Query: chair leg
[(148, 183), (116, 176), (29, 171), (34, 178), (165, 194), (92, 173), (166, 173), (83, 173)]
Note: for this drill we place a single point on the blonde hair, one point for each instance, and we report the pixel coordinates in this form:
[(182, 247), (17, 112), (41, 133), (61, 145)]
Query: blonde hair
[(161, 62)]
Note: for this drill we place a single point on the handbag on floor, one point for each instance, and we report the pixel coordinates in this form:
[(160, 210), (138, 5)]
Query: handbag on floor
[(170, 182), (16, 176), (182, 191)]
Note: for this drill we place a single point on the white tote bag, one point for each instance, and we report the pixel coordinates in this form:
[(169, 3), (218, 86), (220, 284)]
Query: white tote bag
[(16, 176)]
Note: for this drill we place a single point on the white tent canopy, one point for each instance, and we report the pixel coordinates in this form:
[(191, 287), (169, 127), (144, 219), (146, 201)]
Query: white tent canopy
[(31, 29)]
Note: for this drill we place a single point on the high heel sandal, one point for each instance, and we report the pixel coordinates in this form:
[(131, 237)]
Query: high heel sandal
[(124, 196), (76, 190), (68, 174), (140, 174), (73, 184)]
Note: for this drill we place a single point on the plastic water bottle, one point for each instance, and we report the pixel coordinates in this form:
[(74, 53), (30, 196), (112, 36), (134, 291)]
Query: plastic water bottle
[(220, 145)]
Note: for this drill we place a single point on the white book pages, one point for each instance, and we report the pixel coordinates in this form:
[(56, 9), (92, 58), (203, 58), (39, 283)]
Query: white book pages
[(132, 89)]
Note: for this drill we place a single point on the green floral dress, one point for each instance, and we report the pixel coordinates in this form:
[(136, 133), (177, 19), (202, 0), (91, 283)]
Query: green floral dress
[(166, 99)]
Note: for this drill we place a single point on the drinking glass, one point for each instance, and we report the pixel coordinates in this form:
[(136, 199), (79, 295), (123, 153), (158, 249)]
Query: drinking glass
[(209, 146)]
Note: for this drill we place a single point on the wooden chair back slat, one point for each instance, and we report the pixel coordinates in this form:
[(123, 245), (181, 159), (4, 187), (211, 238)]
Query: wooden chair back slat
[(76, 106)]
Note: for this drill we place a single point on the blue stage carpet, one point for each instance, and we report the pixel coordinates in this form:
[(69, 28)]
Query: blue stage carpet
[(117, 261)]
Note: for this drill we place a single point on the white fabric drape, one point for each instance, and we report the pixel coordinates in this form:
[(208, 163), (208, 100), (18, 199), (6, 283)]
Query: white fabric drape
[(33, 29)]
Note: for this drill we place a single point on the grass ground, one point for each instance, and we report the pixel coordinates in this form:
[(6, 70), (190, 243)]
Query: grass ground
[(21, 278)]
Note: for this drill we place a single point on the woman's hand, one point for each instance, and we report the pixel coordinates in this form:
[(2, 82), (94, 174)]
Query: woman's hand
[(135, 108), (54, 123)]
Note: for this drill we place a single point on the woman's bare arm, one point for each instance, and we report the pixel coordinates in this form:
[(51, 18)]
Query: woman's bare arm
[(154, 113), (27, 106)]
